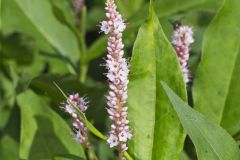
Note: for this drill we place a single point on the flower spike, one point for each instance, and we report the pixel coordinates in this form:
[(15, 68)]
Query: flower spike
[(181, 40), (117, 75)]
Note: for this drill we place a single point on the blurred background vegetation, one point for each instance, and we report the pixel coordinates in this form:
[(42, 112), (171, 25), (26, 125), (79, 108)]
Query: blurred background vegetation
[(43, 41)]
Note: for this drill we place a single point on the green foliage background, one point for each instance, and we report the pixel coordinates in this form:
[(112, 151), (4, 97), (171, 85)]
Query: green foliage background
[(43, 41)]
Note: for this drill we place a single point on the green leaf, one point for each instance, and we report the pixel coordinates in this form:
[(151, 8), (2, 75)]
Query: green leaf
[(128, 7), (156, 128), (35, 18), (211, 141), (43, 133), (231, 114), (216, 84), (8, 148)]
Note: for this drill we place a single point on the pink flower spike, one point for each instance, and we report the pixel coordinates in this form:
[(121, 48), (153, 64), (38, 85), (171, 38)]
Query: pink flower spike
[(117, 75), (181, 40)]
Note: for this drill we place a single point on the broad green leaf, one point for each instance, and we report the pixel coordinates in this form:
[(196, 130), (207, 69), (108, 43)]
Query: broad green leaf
[(43, 133), (36, 18), (216, 83), (157, 131), (211, 141)]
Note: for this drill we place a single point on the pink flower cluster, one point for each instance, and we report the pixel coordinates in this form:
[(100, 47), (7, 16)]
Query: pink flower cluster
[(79, 126), (182, 38), (117, 75)]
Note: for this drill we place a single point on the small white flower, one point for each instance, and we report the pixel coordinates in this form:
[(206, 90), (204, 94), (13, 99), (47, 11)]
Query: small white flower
[(112, 140), (120, 25), (123, 136), (105, 27), (129, 135), (69, 109)]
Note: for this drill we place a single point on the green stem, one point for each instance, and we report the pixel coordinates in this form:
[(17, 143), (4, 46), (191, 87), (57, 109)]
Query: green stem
[(91, 154), (83, 72), (83, 62)]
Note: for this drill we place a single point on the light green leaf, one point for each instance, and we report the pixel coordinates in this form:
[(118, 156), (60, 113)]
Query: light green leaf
[(43, 133), (157, 131), (211, 141), (36, 18), (216, 84)]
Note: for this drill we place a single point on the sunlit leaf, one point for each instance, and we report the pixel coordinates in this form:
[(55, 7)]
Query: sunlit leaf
[(156, 128)]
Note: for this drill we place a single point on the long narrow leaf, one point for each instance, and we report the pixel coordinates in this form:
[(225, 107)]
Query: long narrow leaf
[(211, 141)]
